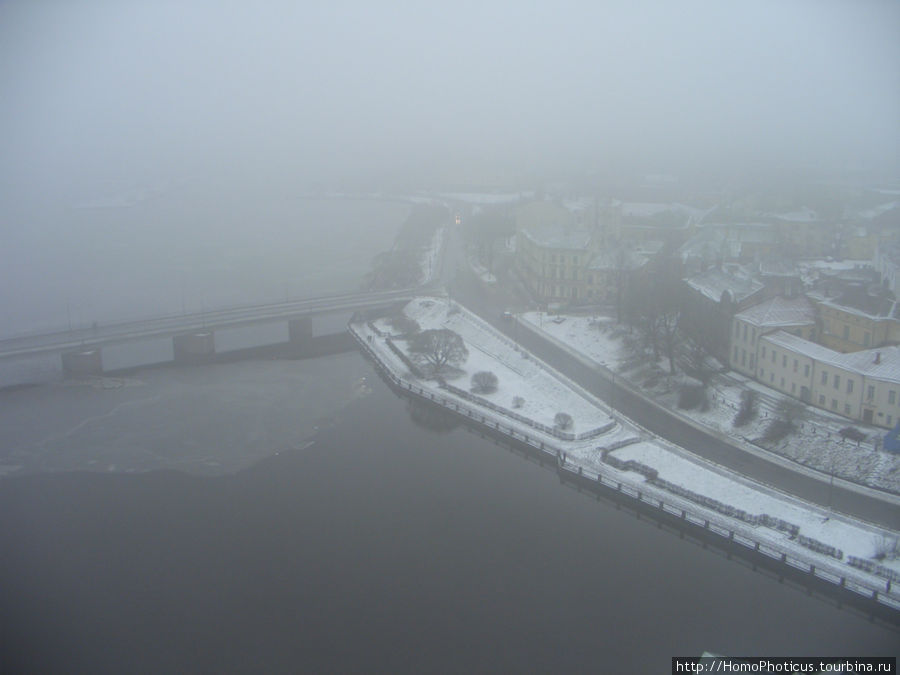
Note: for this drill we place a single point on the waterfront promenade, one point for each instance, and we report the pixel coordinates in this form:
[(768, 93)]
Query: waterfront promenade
[(800, 535)]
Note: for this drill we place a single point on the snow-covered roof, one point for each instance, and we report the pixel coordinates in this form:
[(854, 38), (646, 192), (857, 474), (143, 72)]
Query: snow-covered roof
[(621, 259), (778, 268), (726, 239), (646, 213), (882, 363), (558, 236), (779, 311), (802, 215), (714, 282), (869, 306)]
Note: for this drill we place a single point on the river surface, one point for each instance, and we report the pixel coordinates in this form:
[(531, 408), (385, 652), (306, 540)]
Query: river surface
[(302, 516)]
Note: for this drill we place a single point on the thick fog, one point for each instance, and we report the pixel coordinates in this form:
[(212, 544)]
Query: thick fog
[(380, 91)]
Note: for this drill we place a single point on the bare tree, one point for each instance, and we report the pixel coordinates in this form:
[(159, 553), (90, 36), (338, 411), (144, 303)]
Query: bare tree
[(438, 348)]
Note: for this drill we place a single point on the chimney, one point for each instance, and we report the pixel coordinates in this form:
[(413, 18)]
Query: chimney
[(877, 358)]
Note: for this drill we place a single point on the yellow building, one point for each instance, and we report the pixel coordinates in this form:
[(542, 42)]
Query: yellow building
[(551, 261), (858, 321)]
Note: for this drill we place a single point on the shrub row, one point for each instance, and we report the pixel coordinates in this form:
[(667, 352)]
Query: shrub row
[(647, 472), (708, 502), (873, 568), (819, 547), (725, 509)]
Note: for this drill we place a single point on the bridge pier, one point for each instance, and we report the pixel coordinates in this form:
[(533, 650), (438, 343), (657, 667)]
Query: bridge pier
[(300, 335), (197, 347), (300, 330), (82, 363)]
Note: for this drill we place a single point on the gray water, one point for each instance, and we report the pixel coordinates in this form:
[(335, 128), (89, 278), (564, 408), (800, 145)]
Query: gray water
[(396, 541)]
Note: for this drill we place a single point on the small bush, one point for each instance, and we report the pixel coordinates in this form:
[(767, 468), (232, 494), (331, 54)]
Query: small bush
[(484, 382), (403, 325), (777, 430), (518, 402), (748, 409), (692, 396), (853, 434), (563, 421)]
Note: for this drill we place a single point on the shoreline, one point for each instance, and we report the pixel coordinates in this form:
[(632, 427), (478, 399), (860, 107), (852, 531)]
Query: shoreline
[(882, 592)]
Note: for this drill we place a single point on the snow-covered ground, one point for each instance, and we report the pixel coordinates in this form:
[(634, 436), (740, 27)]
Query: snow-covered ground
[(546, 392), (518, 375), (817, 442)]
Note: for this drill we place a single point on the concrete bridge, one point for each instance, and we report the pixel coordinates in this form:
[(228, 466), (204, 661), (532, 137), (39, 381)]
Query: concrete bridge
[(182, 338)]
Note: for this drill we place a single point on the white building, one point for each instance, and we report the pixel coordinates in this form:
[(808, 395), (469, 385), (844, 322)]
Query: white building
[(862, 385), (794, 315)]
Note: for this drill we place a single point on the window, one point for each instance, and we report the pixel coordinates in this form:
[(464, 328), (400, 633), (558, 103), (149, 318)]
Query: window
[(784, 360), (745, 332), (796, 365), (870, 394), (752, 335), (821, 399), (892, 397), (867, 339), (846, 332), (743, 357), (763, 353), (773, 356), (752, 362), (771, 377), (837, 381), (793, 388), (734, 357), (737, 329), (890, 421), (824, 377), (782, 383), (834, 404), (806, 370), (849, 386), (762, 373), (846, 408)]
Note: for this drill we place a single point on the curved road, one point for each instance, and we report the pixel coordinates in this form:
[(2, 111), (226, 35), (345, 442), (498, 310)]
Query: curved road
[(469, 291)]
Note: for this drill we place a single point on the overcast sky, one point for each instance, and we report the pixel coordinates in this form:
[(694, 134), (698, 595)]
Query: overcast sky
[(124, 87)]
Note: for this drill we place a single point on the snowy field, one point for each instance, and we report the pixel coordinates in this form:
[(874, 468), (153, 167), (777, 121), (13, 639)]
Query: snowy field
[(546, 393), (518, 375)]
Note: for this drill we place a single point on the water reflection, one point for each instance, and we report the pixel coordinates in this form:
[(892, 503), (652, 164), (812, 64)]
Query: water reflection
[(431, 417)]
